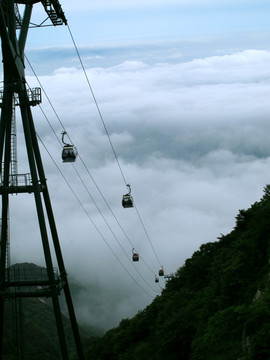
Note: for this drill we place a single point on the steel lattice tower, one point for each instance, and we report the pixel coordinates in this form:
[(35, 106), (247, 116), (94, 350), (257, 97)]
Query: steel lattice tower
[(48, 283)]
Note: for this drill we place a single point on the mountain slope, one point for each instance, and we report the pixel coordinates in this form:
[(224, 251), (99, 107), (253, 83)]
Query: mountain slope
[(217, 306), (30, 328)]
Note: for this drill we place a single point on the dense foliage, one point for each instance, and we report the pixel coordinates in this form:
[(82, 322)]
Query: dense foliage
[(216, 307)]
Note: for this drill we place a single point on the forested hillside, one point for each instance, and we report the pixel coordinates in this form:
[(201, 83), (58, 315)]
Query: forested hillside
[(217, 306)]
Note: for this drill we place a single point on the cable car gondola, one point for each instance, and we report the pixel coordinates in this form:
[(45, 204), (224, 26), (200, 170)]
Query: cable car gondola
[(161, 271), (69, 152), (156, 279), (127, 201), (135, 256)]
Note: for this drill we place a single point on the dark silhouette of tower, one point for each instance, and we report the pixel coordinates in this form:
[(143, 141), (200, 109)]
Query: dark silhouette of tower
[(47, 282)]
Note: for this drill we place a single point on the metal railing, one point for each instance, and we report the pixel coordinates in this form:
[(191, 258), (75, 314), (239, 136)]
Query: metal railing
[(17, 180)]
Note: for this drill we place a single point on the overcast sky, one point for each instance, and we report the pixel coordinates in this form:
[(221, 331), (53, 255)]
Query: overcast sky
[(183, 88)]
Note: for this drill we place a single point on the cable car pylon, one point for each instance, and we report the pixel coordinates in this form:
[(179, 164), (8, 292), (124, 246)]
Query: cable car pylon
[(50, 283)]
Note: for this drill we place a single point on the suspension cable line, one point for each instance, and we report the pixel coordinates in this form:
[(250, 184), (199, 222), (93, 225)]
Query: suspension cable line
[(100, 192), (107, 133), (87, 170), (147, 234), (108, 225), (93, 223), (48, 99), (104, 199), (101, 196), (114, 152), (97, 207), (96, 103)]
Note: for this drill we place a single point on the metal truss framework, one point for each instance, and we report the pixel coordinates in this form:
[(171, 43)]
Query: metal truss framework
[(51, 283)]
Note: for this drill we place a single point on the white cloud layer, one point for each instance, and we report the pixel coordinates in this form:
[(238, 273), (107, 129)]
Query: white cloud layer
[(191, 138)]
